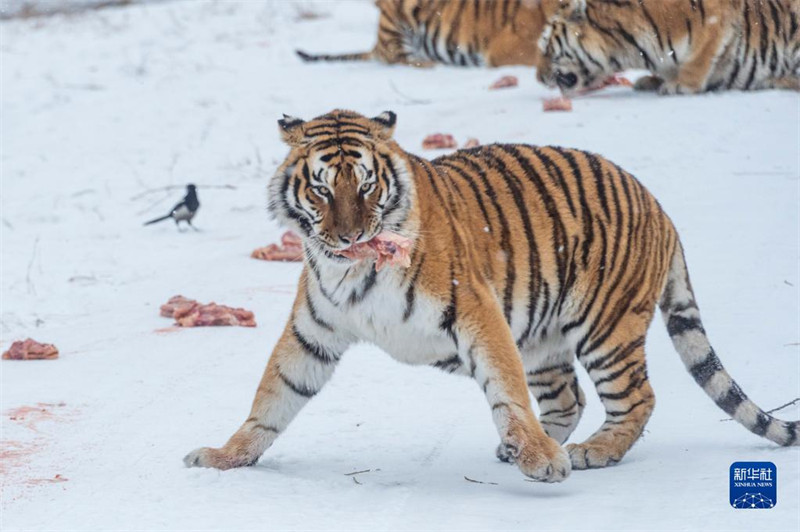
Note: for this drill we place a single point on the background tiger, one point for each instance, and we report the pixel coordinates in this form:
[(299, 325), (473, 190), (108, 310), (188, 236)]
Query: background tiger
[(524, 257), (689, 45), (455, 32)]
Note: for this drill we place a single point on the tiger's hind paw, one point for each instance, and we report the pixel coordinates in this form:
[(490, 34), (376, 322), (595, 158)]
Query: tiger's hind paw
[(591, 456)]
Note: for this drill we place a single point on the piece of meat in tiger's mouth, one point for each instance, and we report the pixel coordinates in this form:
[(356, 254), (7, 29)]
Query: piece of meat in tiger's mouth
[(356, 252), (386, 248)]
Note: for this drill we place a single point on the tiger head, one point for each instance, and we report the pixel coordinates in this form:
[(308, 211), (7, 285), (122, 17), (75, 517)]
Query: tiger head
[(343, 182), (572, 49)]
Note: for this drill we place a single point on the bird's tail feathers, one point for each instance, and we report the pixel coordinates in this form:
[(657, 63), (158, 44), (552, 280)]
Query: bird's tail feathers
[(161, 219)]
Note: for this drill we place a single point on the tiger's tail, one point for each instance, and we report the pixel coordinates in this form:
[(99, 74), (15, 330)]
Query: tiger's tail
[(311, 58), (682, 317)]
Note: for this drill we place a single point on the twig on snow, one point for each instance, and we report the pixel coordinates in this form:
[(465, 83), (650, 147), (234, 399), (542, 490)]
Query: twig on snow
[(357, 472), (479, 481), (306, 12), (356, 480), (790, 403)]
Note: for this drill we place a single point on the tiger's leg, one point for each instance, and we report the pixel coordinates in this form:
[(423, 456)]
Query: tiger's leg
[(487, 347), (555, 386), (618, 370), (553, 383), (299, 366), (694, 71)]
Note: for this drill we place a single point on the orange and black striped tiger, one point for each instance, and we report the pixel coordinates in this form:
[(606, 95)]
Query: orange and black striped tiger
[(524, 258), (689, 46), (454, 32)]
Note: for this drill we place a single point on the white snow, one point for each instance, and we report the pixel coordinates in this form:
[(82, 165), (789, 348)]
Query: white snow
[(100, 107)]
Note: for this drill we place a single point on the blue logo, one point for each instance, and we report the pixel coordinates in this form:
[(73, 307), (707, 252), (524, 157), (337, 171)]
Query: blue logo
[(754, 485)]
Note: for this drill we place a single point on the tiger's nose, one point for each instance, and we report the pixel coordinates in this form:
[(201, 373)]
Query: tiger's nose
[(352, 238)]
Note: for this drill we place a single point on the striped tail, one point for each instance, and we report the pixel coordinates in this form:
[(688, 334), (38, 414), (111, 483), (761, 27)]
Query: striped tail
[(682, 317), (310, 58)]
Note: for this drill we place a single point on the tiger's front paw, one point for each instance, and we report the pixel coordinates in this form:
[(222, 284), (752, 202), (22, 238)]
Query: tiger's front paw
[(648, 84), (216, 458), (544, 460), (503, 453)]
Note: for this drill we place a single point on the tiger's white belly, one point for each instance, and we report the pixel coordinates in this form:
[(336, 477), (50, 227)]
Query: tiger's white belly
[(378, 318)]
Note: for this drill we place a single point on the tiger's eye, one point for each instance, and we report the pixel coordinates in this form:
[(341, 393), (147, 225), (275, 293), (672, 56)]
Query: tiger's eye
[(321, 191)]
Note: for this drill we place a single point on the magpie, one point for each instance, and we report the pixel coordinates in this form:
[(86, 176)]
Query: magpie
[(183, 211)]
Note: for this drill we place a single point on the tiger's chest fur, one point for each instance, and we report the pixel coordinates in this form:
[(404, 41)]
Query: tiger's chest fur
[(362, 304)]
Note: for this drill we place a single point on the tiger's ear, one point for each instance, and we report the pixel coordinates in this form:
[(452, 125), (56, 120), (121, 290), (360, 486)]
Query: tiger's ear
[(292, 131), (383, 125)]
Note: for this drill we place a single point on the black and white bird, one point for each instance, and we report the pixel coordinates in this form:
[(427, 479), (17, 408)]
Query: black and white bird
[(183, 211)]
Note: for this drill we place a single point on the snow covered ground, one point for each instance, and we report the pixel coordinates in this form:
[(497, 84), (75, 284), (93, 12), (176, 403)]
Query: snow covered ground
[(99, 108)]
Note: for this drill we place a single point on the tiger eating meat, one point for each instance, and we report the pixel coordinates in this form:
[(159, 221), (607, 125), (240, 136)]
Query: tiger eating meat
[(385, 248), (521, 259), (688, 46), (454, 32)]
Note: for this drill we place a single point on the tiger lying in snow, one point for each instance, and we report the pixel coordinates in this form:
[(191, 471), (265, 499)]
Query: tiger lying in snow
[(522, 259), (454, 32)]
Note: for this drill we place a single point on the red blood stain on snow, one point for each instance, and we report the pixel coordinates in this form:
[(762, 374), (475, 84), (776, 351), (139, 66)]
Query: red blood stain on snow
[(18, 458), (31, 416), (15, 454)]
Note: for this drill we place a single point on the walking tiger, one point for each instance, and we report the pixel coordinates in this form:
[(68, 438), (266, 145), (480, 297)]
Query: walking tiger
[(524, 259)]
